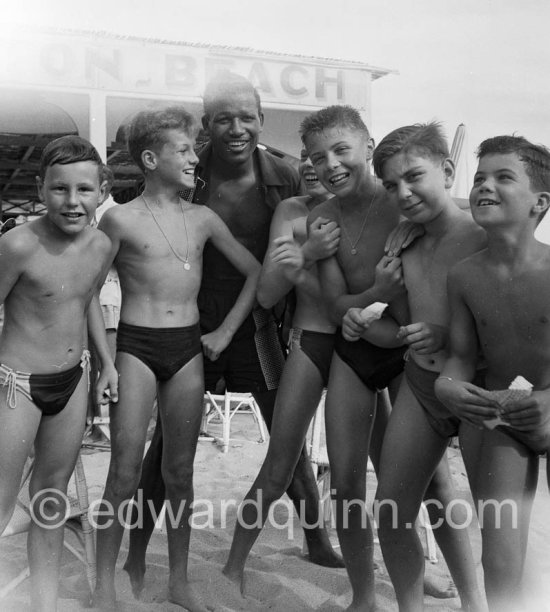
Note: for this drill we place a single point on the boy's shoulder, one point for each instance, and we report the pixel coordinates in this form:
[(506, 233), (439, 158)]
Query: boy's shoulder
[(329, 209), (22, 239), (296, 205)]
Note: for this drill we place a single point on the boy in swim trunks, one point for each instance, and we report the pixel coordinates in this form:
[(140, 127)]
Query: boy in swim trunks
[(158, 241), (417, 174), (50, 273), (500, 304), (306, 369), (340, 148)]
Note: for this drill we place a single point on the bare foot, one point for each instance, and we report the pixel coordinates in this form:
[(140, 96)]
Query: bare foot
[(362, 607), (136, 573), (237, 578), (326, 557), (443, 588), (184, 596)]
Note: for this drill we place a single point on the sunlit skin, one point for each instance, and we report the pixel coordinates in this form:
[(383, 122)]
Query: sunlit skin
[(499, 302), (176, 160), (72, 192)]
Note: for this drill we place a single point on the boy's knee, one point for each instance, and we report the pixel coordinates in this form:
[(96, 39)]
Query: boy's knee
[(177, 475)]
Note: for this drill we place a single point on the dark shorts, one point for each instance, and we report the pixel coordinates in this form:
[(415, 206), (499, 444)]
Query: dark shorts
[(376, 367), (421, 383), (317, 346), (164, 350), (49, 392), (254, 360)]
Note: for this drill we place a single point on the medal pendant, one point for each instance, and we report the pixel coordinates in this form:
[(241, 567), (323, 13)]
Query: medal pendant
[(354, 251), (186, 266)]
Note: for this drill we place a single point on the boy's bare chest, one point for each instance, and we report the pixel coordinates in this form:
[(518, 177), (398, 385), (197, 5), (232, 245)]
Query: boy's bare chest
[(58, 278), (515, 306)]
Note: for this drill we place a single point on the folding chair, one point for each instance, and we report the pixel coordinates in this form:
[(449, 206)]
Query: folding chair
[(77, 522), (225, 407)]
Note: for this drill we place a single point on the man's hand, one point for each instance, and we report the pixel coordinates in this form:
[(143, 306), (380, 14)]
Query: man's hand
[(388, 279), (466, 401), (424, 338), (323, 239)]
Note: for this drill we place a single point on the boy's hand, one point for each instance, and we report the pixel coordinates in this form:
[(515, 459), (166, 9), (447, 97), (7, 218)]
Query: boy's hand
[(388, 278), (215, 342), (107, 385), (530, 414), (466, 401), (401, 237), (353, 324), (424, 338), (287, 253), (322, 241)]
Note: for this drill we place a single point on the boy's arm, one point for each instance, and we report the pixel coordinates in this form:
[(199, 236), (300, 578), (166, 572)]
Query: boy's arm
[(107, 384), (467, 401), (286, 262), (215, 342), (388, 284)]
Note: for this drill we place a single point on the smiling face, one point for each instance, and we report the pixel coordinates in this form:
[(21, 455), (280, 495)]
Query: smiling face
[(71, 194), (502, 191), (309, 177), (418, 184), (234, 124), (176, 160), (339, 156)]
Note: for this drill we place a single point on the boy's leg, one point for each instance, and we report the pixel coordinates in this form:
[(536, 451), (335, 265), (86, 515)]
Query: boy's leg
[(297, 399), (410, 454), (18, 429), (349, 414), (152, 489), (304, 494), (180, 403), (505, 485), (452, 519), (57, 445), (129, 419)]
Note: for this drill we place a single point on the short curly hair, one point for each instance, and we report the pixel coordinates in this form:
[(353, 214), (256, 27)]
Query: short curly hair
[(425, 138), (332, 116), (68, 150), (147, 129)]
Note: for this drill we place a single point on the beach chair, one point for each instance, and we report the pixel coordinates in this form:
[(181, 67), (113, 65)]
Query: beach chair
[(225, 407), (77, 522)]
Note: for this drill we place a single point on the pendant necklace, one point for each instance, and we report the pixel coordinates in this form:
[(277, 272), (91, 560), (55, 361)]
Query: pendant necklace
[(354, 244), (184, 260)]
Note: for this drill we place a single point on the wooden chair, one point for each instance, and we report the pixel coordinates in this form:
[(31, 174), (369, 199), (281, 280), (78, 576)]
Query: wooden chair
[(225, 407)]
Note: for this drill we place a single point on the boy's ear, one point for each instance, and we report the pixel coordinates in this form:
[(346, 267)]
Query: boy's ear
[(542, 204), (370, 148), (450, 172), (261, 115), (149, 159), (102, 192), (40, 188)]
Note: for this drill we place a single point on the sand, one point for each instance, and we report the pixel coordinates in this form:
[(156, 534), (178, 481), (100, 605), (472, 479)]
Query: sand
[(279, 576)]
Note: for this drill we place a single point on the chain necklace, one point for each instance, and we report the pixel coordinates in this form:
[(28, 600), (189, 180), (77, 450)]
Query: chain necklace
[(354, 244), (184, 260)]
